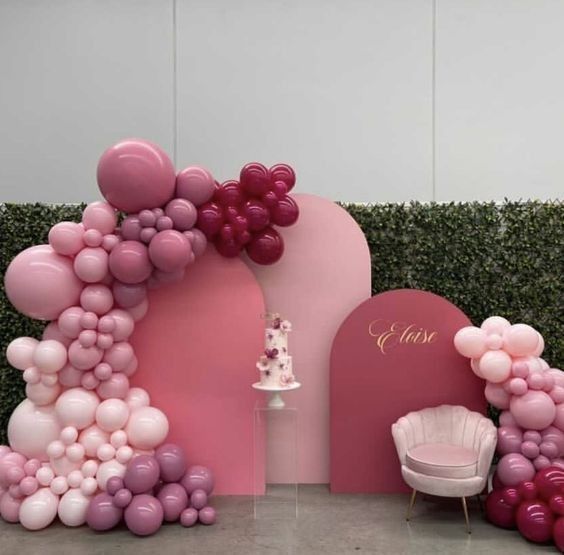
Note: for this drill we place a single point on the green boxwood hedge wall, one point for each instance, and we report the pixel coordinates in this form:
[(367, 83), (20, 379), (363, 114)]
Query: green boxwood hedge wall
[(486, 258)]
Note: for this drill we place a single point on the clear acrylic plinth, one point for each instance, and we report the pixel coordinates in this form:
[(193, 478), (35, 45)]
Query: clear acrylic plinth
[(275, 462)]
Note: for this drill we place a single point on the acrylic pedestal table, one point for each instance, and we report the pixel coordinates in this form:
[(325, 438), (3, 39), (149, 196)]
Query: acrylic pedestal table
[(275, 462)]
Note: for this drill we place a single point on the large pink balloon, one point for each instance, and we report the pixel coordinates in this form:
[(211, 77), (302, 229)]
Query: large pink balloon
[(147, 428), (495, 324), (170, 250), (129, 262), (38, 510), (20, 352), (41, 283), (533, 411), (135, 174)]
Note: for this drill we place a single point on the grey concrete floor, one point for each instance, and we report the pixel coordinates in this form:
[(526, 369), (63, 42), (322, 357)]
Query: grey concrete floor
[(327, 524)]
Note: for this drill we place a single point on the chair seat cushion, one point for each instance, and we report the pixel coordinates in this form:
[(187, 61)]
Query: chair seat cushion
[(442, 460)]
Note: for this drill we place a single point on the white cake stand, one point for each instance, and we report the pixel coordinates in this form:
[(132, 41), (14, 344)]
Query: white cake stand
[(276, 401)]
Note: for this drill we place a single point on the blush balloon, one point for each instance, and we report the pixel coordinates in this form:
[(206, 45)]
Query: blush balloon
[(470, 342), (66, 238), (100, 216), (91, 264)]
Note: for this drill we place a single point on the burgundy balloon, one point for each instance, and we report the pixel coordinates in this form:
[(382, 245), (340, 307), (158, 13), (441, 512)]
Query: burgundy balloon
[(558, 534), (549, 481), (257, 214), (229, 194), (210, 219), (144, 515), (229, 249), (286, 212), (535, 521), (172, 462), (283, 172), (270, 199), (556, 504), (527, 491), (129, 262), (280, 189), (174, 500), (141, 474), (102, 514), (254, 179), (511, 496), (498, 511), (265, 247)]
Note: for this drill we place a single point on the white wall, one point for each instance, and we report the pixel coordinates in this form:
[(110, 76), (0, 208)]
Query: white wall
[(341, 89)]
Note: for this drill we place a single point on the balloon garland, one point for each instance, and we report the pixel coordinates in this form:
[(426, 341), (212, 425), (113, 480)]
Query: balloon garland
[(84, 445), (529, 481)]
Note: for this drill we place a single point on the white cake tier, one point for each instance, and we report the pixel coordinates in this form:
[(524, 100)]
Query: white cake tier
[(276, 372), (276, 339)]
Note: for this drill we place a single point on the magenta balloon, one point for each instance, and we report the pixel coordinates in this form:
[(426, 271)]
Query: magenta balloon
[(207, 515), (142, 474), (534, 411), (210, 219), (174, 499), (498, 512), (534, 521), (286, 212), (558, 534), (136, 174), (66, 238), (182, 213), (198, 499), (511, 496), (257, 214), (129, 262), (514, 468), (254, 179), (509, 439), (170, 250), (266, 247), (198, 477), (41, 283), (549, 481), (195, 184), (556, 504), (172, 462), (102, 514), (144, 515), (189, 517), (229, 249), (284, 173), (527, 491), (229, 194), (197, 240)]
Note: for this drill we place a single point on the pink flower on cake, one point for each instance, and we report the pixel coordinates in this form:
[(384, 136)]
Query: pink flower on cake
[(262, 364), (285, 326), (286, 379)]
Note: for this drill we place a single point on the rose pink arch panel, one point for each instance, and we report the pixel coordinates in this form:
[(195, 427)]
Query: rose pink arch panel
[(393, 354), (323, 274), (197, 347)]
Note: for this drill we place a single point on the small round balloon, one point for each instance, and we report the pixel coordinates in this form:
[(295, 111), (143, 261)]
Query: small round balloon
[(144, 515)]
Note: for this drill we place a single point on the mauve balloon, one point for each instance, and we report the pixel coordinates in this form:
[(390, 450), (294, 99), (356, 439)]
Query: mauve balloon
[(142, 474), (144, 515), (172, 462), (195, 184), (198, 477), (102, 514), (127, 295), (509, 439), (129, 262), (514, 468), (174, 500), (170, 250), (207, 515)]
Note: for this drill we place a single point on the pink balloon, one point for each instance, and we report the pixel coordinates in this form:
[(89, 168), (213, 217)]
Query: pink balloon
[(514, 468), (494, 341), (495, 366), (138, 311), (495, 324), (533, 411), (470, 342), (497, 396), (521, 340), (135, 174), (119, 355), (84, 358), (146, 428), (66, 238), (195, 184), (170, 250), (197, 240), (558, 376), (530, 450), (69, 376), (10, 508), (93, 238), (69, 321), (123, 324), (182, 213), (92, 438), (97, 298), (116, 386), (100, 216), (41, 283), (518, 386), (520, 369), (128, 295), (20, 352), (475, 365), (52, 331), (77, 408), (540, 346), (91, 264), (42, 394), (129, 262), (535, 380), (131, 228), (556, 436), (559, 417), (509, 439)]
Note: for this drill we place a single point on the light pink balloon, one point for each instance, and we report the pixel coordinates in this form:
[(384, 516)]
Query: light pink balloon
[(533, 411), (101, 216), (93, 238), (559, 417), (50, 356), (10, 508), (97, 298), (52, 331), (66, 238), (520, 340), (129, 262), (520, 369), (110, 241), (540, 346), (84, 358), (91, 438), (31, 428), (535, 380), (495, 366), (38, 510), (124, 324), (91, 264), (77, 407), (557, 394), (135, 174), (41, 283), (73, 507), (470, 342), (497, 396), (116, 387), (41, 394), (69, 376), (89, 381), (131, 368), (138, 311), (195, 184), (137, 397), (541, 462), (108, 469), (112, 415), (558, 376), (128, 295), (555, 436), (29, 485), (475, 365), (119, 355), (495, 324), (147, 428), (518, 386), (20, 352)]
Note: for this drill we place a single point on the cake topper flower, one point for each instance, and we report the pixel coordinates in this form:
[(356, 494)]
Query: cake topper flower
[(271, 353)]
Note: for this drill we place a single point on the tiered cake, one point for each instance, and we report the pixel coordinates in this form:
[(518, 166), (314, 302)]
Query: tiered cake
[(275, 365)]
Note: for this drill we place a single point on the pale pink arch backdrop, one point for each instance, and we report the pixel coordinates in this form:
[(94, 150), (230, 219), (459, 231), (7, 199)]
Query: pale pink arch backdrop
[(197, 348), (323, 275)]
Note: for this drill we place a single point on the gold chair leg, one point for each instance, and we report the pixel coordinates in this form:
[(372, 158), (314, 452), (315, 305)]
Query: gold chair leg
[(411, 503), (466, 515)]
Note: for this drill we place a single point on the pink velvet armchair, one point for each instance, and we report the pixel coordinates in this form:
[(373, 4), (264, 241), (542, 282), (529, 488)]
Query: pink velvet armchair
[(445, 451)]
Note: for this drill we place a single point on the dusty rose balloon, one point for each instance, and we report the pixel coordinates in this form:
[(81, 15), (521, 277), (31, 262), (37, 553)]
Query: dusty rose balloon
[(174, 500), (532, 435), (102, 514), (495, 366), (116, 386), (198, 477), (147, 427), (533, 411), (142, 474), (514, 468), (518, 386), (557, 394), (556, 436), (131, 228), (41, 283), (182, 213), (207, 515), (10, 508), (100, 216), (139, 311), (66, 238), (91, 264), (128, 295), (97, 298), (189, 517), (52, 331), (129, 262), (509, 439), (84, 358), (530, 450), (93, 238), (123, 324), (198, 499), (69, 376), (144, 515), (497, 396), (195, 184), (170, 250), (197, 240), (69, 321), (20, 352), (559, 417), (135, 174), (119, 355), (172, 462)]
